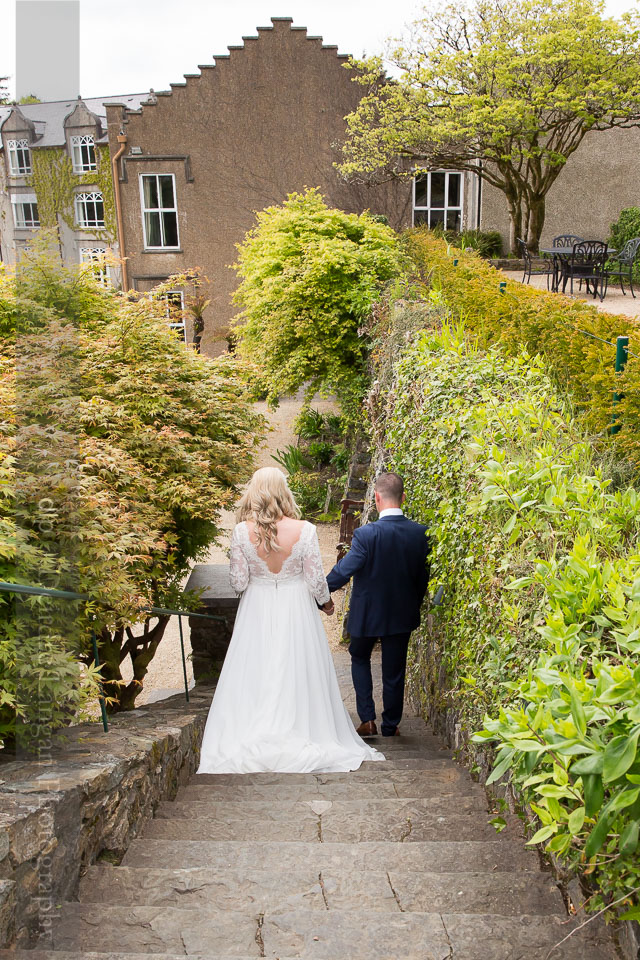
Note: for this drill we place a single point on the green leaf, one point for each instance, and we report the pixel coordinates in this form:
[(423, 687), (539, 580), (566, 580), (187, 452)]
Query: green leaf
[(591, 764), (543, 834), (619, 755), (500, 768), (629, 839), (593, 793), (624, 799), (576, 820)]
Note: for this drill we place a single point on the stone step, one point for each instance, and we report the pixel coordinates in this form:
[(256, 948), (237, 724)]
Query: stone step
[(92, 955), (399, 821), (439, 783), (499, 854), (279, 890), (398, 771), (323, 935), (201, 807), (336, 935)]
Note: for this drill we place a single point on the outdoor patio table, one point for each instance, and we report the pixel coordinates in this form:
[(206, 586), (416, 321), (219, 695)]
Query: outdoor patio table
[(558, 253)]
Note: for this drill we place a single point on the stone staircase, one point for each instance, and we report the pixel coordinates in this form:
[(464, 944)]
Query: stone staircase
[(393, 862)]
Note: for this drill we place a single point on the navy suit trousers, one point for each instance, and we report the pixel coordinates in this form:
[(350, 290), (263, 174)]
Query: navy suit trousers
[(394, 665)]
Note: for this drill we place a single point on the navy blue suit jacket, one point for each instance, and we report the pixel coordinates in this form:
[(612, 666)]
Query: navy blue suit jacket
[(388, 561)]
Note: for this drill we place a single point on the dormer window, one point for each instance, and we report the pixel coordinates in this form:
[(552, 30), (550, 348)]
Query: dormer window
[(83, 154), (19, 157), (89, 210)]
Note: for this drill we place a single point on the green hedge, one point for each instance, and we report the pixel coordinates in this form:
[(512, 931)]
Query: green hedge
[(560, 329), (538, 554)]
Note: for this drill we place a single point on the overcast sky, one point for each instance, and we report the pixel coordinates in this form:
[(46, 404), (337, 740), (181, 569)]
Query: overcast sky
[(128, 46)]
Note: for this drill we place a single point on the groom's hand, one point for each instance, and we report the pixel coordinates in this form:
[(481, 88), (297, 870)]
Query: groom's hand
[(328, 607)]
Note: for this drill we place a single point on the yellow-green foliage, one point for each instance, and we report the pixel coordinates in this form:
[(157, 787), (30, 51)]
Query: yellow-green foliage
[(54, 182), (560, 329), (309, 276)]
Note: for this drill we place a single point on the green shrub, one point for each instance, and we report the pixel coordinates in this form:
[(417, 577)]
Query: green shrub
[(309, 276), (488, 243), (309, 423), (119, 446), (310, 492), (320, 452), (626, 227), (292, 458), (539, 559), (567, 333)]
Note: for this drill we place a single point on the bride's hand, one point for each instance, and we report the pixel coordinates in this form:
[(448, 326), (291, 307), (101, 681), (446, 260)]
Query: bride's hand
[(329, 607)]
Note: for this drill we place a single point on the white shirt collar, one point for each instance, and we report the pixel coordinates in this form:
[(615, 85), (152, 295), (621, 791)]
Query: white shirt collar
[(390, 512)]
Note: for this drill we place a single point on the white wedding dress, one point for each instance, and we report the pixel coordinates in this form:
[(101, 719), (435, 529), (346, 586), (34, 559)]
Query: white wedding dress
[(277, 706)]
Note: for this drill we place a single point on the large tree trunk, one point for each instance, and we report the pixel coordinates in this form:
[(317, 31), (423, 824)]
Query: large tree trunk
[(515, 224), (537, 212), (114, 648)]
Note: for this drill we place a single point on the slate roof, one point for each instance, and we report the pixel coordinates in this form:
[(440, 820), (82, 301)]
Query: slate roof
[(49, 116)]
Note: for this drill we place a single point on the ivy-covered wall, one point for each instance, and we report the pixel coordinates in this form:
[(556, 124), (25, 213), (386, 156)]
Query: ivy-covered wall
[(536, 541), (55, 184)]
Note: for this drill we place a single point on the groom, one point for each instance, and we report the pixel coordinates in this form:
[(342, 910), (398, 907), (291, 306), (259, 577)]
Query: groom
[(388, 561)]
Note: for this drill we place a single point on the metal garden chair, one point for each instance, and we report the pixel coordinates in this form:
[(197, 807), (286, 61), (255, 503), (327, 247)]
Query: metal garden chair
[(587, 263), (542, 268), (624, 263)]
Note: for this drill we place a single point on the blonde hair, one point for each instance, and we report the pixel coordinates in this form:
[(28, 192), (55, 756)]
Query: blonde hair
[(266, 500)]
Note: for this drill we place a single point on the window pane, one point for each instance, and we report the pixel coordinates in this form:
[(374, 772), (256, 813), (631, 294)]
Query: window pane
[(99, 212), (170, 229), (152, 225), (422, 191), (421, 216), (454, 189), (150, 192), (453, 220), (437, 216), (437, 189), (166, 189)]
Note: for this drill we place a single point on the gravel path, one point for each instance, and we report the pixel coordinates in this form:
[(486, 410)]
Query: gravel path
[(164, 678)]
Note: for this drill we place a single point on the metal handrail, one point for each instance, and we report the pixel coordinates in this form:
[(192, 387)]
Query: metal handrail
[(28, 590)]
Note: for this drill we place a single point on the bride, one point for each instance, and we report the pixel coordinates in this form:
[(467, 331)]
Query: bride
[(277, 705)]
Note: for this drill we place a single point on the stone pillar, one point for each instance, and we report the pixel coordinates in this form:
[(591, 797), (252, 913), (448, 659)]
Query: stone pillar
[(210, 638)]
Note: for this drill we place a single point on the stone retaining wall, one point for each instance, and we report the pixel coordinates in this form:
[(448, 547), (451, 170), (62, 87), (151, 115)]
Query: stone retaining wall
[(85, 802)]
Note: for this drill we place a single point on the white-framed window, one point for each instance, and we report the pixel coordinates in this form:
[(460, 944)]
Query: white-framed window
[(19, 157), (83, 154), (437, 199), (159, 211), (95, 256), (174, 311), (89, 210), (25, 210)]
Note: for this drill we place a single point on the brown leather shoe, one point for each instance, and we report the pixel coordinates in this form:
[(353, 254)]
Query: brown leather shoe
[(396, 733), (367, 729)]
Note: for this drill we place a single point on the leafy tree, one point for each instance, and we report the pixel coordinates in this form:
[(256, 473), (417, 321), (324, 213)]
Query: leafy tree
[(129, 444), (506, 90), (309, 277)]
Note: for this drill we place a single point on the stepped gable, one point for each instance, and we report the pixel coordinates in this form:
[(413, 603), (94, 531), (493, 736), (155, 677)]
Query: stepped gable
[(277, 24)]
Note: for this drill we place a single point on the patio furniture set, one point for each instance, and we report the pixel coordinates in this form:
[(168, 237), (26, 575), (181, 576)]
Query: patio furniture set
[(592, 262)]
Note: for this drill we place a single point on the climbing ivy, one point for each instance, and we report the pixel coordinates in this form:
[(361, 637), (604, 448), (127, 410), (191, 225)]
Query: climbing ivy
[(55, 184)]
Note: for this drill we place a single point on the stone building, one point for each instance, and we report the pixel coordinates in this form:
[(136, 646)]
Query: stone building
[(55, 171), (261, 122)]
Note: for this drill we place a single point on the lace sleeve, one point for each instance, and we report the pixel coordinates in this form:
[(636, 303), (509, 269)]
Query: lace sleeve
[(238, 564), (312, 568)]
